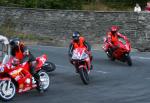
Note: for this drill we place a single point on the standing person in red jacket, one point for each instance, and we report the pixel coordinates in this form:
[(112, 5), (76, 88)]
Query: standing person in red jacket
[(147, 8)]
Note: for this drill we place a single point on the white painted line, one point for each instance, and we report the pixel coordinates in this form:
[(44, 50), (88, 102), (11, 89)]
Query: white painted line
[(147, 78), (145, 58), (103, 72), (52, 47), (99, 71), (61, 66), (56, 47)]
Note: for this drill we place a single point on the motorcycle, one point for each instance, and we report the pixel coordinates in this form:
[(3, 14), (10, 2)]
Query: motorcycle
[(16, 78), (82, 63), (122, 53), (5, 56)]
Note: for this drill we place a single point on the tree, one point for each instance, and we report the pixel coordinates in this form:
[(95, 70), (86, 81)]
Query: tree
[(46, 4)]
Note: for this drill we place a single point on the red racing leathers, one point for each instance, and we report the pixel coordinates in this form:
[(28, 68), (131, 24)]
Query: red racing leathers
[(113, 40), (81, 43), (23, 54)]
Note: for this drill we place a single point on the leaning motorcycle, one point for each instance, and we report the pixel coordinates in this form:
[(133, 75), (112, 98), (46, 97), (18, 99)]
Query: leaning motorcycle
[(122, 53), (16, 78), (82, 63), (5, 56)]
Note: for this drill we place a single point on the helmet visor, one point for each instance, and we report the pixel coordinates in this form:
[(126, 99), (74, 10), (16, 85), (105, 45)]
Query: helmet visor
[(113, 32)]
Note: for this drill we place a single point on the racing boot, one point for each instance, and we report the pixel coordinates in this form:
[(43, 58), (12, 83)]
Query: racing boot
[(39, 83), (37, 79)]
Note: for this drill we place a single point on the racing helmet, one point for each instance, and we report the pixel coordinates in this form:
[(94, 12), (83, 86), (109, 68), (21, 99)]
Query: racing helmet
[(114, 29), (75, 36), (14, 43)]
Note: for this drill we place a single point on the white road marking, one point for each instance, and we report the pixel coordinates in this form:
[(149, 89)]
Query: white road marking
[(103, 72), (61, 66), (98, 71), (145, 58), (147, 78), (53, 47)]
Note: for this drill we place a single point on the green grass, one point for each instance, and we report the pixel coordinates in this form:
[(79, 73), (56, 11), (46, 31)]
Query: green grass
[(9, 33), (108, 6)]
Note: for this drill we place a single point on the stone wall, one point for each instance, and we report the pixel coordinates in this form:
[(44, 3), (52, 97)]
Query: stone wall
[(59, 24)]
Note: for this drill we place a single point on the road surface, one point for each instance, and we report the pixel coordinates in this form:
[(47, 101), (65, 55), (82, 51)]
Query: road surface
[(110, 82)]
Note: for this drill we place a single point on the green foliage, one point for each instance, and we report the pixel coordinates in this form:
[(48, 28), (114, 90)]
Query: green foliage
[(125, 3), (74, 4), (46, 4), (118, 4)]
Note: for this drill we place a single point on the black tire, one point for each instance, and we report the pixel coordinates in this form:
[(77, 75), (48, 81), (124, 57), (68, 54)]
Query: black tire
[(129, 61), (84, 76), (110, 57), (10, 96), (49, 67)]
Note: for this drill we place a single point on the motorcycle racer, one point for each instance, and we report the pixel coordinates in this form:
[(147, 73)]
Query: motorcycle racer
[(112, 38), (22, 53), (79, 41)]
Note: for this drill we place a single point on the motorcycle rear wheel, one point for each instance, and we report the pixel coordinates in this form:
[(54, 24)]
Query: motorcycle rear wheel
[(84, 76), (49, 67), (6, 93)]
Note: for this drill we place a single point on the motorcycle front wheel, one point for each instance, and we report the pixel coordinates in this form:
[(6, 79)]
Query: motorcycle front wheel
[(84, 76), (129, 61), (44, 81), (7, 90), (110, 56)]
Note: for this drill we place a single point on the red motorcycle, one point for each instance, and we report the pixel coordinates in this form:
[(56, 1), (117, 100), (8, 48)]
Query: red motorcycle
[(82, 63), (16, 78), (122, 53)]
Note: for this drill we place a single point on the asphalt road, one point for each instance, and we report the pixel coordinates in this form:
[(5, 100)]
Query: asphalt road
[(110, 82)]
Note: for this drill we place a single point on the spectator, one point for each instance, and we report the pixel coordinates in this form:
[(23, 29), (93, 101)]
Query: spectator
[(147, 8), (137, 8)]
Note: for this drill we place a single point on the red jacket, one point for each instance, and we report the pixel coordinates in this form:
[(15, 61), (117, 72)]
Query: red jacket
[(113, 39), (21, 52), (80, 44), (147, 9)]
